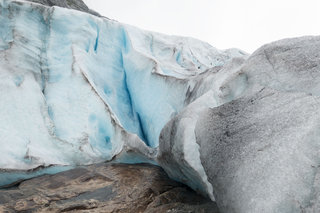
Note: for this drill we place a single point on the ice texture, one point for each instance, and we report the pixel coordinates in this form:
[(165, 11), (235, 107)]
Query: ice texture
[(78, 89), (256, 134)]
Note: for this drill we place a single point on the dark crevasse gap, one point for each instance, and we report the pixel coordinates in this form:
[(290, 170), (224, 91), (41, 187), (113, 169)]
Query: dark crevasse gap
[(96, 41)]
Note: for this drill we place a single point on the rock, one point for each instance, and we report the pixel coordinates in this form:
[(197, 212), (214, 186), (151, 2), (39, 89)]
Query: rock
[(104, 188), (70, 4)]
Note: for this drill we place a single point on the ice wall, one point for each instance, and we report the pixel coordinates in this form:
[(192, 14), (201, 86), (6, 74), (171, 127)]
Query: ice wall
[(78, 89)]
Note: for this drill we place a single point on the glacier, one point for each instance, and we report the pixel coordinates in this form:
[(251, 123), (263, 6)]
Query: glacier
[(259, 148), (78, 88)]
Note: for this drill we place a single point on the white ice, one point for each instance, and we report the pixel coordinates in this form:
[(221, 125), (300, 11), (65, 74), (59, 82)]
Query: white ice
[(78, 89)]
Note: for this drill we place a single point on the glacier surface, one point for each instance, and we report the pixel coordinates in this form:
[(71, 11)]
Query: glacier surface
[(259, 148), (78, 89)]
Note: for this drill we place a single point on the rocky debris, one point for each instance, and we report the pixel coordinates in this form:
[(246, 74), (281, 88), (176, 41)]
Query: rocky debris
[(104, 188), (70, 4)]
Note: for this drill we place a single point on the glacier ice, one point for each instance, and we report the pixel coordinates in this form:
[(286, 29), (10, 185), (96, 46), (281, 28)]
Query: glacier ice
[(78, 89), (259, 145)]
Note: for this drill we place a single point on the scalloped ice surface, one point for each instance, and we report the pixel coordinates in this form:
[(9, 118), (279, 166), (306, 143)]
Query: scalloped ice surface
[(77, 89)]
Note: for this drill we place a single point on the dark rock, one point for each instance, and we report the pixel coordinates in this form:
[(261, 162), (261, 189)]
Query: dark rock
[(104, 188), (70, 4)]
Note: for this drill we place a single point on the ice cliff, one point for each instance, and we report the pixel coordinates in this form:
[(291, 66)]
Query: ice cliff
[(78, 89)]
